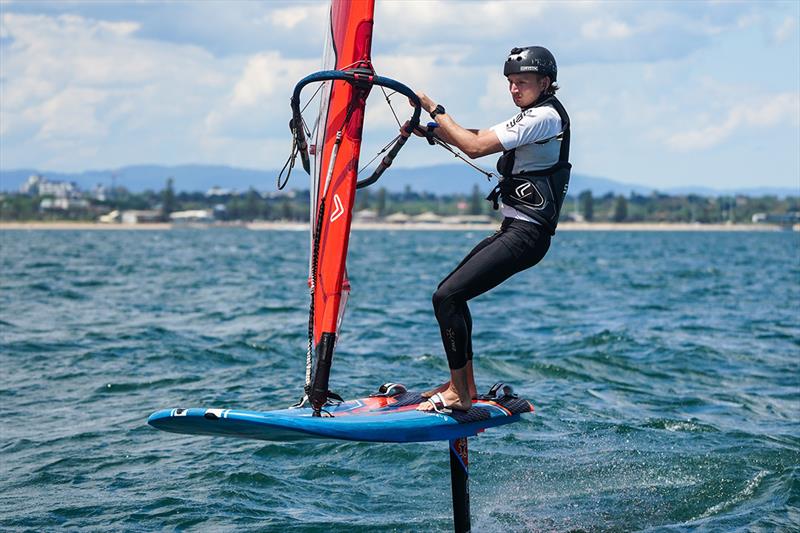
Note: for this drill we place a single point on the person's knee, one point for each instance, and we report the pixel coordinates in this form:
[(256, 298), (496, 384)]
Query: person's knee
[(441, 299)]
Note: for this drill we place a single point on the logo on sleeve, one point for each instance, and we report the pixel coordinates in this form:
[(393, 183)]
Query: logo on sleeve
[(516, 120)]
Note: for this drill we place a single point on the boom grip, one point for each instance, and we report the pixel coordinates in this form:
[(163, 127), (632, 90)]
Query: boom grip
[(354, 77)]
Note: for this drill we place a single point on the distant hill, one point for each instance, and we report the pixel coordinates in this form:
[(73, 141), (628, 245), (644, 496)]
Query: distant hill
[(140, 178), (441, 179)]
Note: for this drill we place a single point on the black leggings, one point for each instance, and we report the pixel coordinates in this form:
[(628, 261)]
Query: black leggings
[(516, 246)]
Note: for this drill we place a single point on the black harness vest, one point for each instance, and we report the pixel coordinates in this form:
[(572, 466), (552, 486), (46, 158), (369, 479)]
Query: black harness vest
[(538, 194)]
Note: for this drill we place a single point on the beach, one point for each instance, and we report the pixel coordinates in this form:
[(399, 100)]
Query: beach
[(284, 225)]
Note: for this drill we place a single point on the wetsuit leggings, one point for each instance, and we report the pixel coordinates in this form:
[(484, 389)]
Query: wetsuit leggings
[(516, 246)]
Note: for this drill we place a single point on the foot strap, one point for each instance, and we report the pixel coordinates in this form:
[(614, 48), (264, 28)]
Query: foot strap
[(439, 405)]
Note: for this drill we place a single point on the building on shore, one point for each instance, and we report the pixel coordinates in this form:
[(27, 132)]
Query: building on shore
[(140, 216), (38, 185), (784, 219), (63, 204), (55, 195), (397, 218), (365, 215), (219, 191), (427, 217), (192, 216), (100, 193), (110, 218)]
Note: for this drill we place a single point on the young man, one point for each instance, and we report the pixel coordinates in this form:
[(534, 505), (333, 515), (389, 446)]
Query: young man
[(535, 174)]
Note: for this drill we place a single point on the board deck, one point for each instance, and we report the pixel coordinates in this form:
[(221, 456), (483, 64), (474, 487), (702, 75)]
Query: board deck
[(372, 419)]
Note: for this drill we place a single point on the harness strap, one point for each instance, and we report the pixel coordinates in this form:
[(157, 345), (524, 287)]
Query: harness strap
[(494, 196)]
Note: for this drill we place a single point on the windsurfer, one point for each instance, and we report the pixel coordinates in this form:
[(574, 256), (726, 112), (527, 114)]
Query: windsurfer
[(535, 170)]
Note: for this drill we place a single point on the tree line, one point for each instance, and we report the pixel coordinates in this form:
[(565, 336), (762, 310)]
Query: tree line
[(253, 205)]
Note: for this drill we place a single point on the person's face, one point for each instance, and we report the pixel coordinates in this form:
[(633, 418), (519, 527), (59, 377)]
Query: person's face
[(525, 88)]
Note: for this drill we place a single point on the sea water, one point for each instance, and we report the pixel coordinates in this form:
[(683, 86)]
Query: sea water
[(664, 367)]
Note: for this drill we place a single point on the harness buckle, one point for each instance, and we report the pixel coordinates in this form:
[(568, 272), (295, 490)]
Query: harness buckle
[(494, 196)]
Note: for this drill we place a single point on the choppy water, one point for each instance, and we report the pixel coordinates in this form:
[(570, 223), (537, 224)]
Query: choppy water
[(664, 368)]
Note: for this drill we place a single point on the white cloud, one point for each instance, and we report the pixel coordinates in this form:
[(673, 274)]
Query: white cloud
[(496, 97), (263, 75), (749, 118), (405, 20), (70, 114), (291, 17), (578, 31), (267, 78), (784, 30), (586, 118), (603, 28), (72, 83)]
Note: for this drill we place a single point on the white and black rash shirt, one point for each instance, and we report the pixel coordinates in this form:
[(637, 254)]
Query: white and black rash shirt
[(521, 132)]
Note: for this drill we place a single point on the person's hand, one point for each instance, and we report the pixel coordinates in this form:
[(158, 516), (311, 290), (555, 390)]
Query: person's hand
[(425, 102), (418, 131)]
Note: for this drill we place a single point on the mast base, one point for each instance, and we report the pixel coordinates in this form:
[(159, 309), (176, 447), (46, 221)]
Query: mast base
[(322, 372)]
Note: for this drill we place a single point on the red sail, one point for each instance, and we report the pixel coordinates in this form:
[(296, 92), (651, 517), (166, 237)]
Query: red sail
[(342, 109)]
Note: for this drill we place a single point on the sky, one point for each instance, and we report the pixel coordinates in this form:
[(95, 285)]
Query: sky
[(664, 94)]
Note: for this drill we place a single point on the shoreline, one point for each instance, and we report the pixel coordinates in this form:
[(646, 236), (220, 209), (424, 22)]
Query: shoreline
[(385, 226)]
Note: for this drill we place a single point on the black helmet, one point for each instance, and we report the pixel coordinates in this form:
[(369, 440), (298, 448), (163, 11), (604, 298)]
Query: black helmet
[(536, 59)]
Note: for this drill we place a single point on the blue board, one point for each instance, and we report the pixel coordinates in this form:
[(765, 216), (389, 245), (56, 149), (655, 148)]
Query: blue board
[(373, 419)]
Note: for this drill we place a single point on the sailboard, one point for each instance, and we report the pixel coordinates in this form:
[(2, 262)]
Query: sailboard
[(373, 419)]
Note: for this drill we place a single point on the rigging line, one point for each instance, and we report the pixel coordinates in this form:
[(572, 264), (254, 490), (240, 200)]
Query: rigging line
[(437, 140), (310, 132), (390, 143), (312, 289), (356, 63), (313, 133), (303, 119), (321, 85), (289, 163), (382, 151), (388, 101), (295, 149), (440, 142)]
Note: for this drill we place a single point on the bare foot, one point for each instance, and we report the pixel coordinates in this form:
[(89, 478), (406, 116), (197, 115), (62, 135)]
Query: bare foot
[(443, 387), (451, 401)]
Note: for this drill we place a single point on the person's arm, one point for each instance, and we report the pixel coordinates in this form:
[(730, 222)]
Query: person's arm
[(474, 143)]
